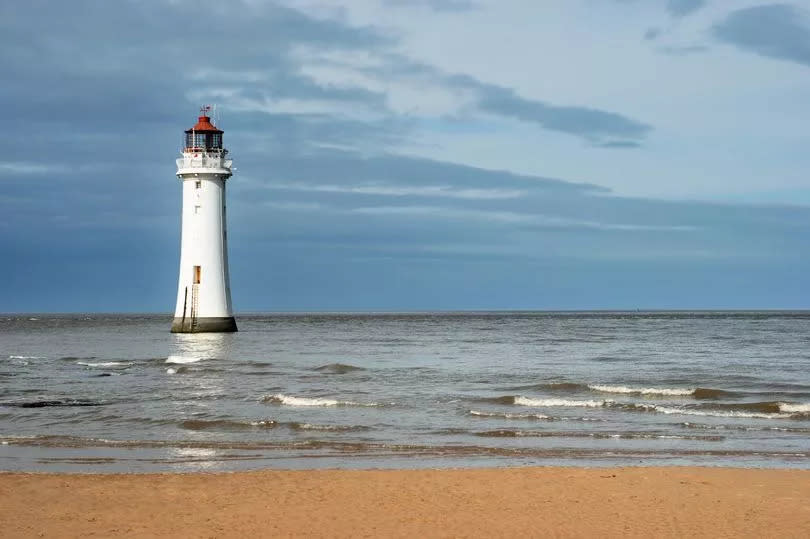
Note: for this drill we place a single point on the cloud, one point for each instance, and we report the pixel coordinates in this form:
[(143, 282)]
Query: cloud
[(591, 124), (775, 30), (682, 8), (439, 191), (437, 5), (326, 210), (459, 95), (652, 34)]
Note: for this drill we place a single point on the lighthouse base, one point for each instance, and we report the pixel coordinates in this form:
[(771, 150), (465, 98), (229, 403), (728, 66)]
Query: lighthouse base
[(204, 325)]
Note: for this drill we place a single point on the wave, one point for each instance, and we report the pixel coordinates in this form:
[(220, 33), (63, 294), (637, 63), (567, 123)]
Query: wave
[(50, 403), (752, 410), (509, 433), (500, 415), (699, 393), (756, 428), (230, 425), (732, 411), (105, 363), (574, 387), (330, 428), (225, 424), (288, 400), (25, 357), (526, 401), (552, 386), (801, 409), (641, 391), (338, 368)]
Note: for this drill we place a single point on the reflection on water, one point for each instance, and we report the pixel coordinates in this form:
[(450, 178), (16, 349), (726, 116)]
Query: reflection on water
[(194, 347)]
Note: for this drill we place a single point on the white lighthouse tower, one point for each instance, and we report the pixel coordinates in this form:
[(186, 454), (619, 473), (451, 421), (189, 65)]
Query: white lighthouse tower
[(203, 290)]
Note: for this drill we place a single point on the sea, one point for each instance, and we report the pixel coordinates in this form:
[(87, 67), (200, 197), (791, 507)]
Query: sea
[(119, 393)]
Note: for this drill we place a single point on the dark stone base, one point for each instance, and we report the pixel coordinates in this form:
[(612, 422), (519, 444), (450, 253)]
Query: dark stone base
[(204, 325)]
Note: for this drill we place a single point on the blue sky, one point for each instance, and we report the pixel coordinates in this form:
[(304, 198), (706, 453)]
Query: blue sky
[(409, 155)]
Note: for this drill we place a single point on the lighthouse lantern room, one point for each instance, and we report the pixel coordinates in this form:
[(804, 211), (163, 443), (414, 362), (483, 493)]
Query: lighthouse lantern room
[(203, 291)]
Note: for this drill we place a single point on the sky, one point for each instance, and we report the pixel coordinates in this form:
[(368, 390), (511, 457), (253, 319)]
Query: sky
[(402, 155)]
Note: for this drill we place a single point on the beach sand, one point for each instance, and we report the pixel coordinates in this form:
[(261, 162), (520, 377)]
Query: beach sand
[(516, 502)]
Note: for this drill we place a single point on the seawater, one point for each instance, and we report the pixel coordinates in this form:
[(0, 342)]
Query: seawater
[(120, 393)]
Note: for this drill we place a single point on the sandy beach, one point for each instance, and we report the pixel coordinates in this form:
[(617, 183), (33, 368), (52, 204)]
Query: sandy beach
[(549, 502)]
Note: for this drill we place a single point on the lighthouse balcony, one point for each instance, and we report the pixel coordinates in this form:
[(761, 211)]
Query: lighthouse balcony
[(208, 163)]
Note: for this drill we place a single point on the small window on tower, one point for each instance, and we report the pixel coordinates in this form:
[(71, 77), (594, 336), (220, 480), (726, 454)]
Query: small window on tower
[(197, 272), (196, 210), (198, 184)]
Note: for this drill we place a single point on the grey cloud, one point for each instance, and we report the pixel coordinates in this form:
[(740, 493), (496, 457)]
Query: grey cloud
[(774, 30), (651, 34), (592, 124), (681, 8), (596, 126)]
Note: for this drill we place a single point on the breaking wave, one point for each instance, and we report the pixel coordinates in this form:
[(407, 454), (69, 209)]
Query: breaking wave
[(795, 408), (641, 391), (105, 363), (288, 400), (526, 401)]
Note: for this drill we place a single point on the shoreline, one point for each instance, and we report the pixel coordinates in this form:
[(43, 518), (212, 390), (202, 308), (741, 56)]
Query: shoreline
[(552, 501)]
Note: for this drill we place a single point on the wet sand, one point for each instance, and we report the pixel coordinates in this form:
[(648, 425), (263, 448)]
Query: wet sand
[(546, 502)]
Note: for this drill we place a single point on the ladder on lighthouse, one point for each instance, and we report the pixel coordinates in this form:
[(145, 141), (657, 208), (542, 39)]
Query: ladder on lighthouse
[(195, 305)]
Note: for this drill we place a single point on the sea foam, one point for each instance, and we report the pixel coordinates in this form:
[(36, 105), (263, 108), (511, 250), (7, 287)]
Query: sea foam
[(794, 408), (105, 363), (288, 400), (525, 401), (714, 413), (673, 392)]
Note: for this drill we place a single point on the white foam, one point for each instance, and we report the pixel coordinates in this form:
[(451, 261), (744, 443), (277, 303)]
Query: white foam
[(524, 401), (171, 371), (674, 392), (105, 364), (508, 416), (305, 401), (794, 408), (714, 413), (26, 357), (182, 359)]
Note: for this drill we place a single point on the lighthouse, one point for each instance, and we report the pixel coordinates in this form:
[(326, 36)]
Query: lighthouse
[(203, 289)]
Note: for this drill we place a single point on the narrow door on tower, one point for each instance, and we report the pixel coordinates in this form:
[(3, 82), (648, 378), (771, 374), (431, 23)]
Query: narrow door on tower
[(197, 272)]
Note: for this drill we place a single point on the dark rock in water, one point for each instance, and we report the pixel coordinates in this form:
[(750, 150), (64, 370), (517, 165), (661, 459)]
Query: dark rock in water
[(338, 368)]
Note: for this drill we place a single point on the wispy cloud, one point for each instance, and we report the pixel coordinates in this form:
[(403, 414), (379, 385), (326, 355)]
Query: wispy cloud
[(441, 191)]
